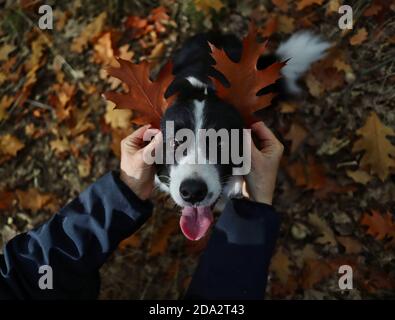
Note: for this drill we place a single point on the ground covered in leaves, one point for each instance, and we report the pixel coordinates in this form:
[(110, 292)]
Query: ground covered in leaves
[(336, 186)]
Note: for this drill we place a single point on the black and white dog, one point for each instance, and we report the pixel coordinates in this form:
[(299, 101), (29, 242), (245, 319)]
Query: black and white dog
[(197, 187)]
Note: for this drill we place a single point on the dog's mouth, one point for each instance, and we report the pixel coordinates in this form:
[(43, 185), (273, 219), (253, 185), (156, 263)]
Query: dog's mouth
[(195, 221)]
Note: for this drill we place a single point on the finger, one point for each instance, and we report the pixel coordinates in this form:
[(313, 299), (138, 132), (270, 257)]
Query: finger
[(134, 141), (155, 143), (264, 134)]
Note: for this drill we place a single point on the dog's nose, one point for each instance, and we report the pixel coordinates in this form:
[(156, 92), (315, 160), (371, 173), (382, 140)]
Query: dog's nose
[(193, 190)]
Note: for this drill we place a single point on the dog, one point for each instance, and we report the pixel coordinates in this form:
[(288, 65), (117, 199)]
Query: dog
[(197, 187)]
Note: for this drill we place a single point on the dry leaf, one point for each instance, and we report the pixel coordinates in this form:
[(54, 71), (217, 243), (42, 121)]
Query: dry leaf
[(60, 146), (315, 88), (207, 5), (376, 146), (286, 24), (280, 265), (373, 10), (10, 145), (287, 107), (5, 50), (296, 134), (34, 200), (89, 32), (307, 3), (310, 175), (380, 226), (314, 272), (244, 77), (333, 7), (84, 167), (270, 27), (6, 199), (327, 235), (5, 103), (351, 245), (281, 4), (103, 51), (133, 241), (359, 37), (307, 253), (117, 118), (161, 239), (144, 96), (359, 176)]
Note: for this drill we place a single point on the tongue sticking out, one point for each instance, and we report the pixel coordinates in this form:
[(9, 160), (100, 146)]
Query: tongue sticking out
[(195, 222)]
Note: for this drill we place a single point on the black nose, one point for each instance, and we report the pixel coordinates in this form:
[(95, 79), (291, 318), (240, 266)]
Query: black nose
[(193, 190)]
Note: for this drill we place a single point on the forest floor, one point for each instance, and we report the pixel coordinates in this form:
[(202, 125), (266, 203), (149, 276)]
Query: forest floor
[(57, 136)]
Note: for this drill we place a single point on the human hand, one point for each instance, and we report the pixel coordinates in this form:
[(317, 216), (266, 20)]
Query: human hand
[(265, 159), (135, 172)]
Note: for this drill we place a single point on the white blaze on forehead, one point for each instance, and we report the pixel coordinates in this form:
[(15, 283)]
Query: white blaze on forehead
[(189, 168)]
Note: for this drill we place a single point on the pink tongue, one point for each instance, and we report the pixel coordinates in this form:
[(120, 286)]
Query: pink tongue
[(195, 222)]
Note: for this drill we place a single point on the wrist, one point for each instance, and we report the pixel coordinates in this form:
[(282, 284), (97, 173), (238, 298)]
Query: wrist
[(131, 183)]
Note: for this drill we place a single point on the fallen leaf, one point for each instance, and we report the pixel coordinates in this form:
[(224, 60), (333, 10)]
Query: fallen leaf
[(373, 10), (296, 134), (5, 103), (359, 176), (117, 118), (281, 4), (5, 50), (280, 265), (333, 7), (307, 3), (6, 199), (33, 200), (327, 235), (310, 175), (134, 241), (286, 24), (359, 37), (89, 32), (162, 236), (207, 5), (10, 145), (84, 167), (270, 27), (103, 52), (315, 271), (287, 107), (379, 153), (350, 244), (315, 88), (60, 146), (380, 226)]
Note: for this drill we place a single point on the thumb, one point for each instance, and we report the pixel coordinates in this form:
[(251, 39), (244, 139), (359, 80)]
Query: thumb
[(155, 142)]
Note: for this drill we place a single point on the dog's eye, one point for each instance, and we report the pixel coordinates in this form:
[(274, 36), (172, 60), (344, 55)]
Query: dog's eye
[(175, 143)]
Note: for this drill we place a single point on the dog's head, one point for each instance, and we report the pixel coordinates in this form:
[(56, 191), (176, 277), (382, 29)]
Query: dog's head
[(203, 162)]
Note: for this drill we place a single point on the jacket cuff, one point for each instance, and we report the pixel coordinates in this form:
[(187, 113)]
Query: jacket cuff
[(247, 222)]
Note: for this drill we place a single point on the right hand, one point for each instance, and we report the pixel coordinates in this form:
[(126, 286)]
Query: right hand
[(135, 172), (265, 160)]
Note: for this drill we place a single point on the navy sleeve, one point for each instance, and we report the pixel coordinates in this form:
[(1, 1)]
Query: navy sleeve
[(75, 243), (236, 261)]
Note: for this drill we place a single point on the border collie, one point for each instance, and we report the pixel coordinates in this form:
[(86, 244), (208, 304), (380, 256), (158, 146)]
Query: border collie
[(197, 187)]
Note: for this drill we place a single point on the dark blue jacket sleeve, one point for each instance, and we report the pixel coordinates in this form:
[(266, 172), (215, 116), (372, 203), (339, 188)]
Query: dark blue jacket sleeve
[(236, 261), (75, 243)]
